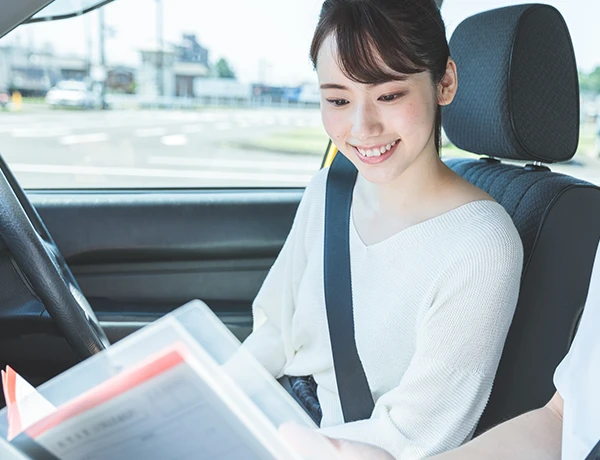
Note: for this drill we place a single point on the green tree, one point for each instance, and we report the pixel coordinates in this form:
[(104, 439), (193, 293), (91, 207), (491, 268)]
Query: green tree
[(591, 81), (223, 69)]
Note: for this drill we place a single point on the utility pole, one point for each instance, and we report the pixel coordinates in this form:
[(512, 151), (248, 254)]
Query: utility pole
[(102, 59), (159, 56), (88, 39)]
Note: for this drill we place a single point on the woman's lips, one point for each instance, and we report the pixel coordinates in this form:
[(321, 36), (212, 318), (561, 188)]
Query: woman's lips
[(376, 159)]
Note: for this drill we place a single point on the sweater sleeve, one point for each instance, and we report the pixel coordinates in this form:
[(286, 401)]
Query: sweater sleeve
[(272, 311), (441, 396), (273, 308)]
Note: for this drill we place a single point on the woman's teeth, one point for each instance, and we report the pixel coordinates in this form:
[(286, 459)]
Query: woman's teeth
[(376, 151)]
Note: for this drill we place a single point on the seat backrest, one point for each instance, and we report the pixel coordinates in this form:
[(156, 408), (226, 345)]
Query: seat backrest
[(518, 99)]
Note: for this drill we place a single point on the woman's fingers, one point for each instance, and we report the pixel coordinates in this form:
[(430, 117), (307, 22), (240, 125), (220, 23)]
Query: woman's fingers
[(310, 444), (314, 446)]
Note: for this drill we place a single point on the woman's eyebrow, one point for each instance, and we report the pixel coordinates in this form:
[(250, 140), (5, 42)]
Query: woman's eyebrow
[(334, 86), (391, 80), (402, 77), (371, 85)]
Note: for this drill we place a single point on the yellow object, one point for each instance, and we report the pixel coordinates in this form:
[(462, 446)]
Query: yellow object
[(17, 101), (332, 151)]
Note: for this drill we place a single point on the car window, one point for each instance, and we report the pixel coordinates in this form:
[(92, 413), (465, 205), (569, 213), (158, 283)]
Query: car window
[(164, 93), (581, 18)]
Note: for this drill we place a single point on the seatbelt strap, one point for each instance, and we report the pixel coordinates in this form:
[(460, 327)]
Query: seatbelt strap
[(595, 453), (353, 388)]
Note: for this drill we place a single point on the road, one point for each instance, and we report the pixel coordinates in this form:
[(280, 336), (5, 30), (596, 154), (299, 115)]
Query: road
[(144, 148), (172, 148)]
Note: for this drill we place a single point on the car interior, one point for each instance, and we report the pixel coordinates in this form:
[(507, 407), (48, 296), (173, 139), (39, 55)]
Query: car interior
[(80, 269)]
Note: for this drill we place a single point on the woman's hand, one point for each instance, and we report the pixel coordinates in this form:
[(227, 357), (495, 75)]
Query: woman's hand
[(314, 446)]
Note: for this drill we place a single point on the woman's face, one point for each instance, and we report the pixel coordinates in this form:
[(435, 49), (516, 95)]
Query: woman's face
[(383, 129)]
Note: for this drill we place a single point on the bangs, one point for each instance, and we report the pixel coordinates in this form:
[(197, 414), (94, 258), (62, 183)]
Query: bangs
[(369, 48)]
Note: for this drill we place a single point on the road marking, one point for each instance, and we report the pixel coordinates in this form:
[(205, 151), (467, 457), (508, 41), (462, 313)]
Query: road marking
[(40, 132), (83, 138), (236, 164), (162, 173), (210, 116), (188, 129), (223, 126), (150, 132), (174, 140)]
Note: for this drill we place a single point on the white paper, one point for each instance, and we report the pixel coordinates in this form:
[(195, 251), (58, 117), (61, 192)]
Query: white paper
[(180, 413)]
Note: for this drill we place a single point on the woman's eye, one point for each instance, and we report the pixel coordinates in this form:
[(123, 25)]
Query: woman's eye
[(391, 97), (338, 102)]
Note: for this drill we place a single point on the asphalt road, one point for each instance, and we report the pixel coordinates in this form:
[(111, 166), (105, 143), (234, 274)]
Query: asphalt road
[(161, 148), (143, 148)]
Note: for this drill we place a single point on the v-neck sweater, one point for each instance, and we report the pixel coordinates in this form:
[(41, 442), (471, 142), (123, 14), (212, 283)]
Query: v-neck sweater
[(432, 307)]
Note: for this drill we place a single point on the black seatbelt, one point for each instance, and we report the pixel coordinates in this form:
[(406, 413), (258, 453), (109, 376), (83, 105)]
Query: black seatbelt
[(595, 453), (355, 395)]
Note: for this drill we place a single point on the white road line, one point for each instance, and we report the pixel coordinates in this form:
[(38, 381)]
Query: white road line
[(150, 132), (40, 132), (236, 164), (174, 140), (83, 138), (188, 129), (210, 116), (161, 173), (170, 116), (9, 125), (223, 126)]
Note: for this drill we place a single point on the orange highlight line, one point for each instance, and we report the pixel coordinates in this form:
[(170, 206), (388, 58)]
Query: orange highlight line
[(111, 388), (10, 391)]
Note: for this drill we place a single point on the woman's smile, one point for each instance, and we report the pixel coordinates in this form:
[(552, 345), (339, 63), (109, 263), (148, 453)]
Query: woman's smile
[(375, 154)]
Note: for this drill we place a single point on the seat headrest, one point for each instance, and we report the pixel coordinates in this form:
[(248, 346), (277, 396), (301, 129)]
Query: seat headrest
[(518, 91)]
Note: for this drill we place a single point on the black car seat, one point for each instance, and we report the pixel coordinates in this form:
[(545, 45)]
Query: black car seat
[(518, 99)]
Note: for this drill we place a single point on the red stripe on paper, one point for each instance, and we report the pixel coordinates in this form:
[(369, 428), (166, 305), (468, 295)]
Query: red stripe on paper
[(113, 387)]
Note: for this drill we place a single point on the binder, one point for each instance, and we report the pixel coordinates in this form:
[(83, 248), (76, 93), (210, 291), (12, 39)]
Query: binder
[(182, 387)]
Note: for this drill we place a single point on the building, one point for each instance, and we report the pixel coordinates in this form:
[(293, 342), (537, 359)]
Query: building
[(172, 72), (121, 80), (34, 73), (191, 51)]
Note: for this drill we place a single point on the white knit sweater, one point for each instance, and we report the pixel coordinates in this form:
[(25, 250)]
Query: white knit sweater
[(432, 307)]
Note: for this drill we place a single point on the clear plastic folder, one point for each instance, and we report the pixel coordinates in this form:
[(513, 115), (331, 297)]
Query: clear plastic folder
[(180, 388)]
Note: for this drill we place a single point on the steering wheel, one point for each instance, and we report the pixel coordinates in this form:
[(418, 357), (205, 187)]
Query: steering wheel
[(46, 270)]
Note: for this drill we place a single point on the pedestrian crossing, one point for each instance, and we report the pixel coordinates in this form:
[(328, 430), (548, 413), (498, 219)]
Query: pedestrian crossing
[(146, 124), (58, 149)]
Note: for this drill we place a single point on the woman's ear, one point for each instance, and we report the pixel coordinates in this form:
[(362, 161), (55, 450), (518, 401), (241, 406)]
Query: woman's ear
[(448, 85)]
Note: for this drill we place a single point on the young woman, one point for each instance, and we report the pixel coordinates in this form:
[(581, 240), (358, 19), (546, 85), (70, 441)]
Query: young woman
[(435, 262)]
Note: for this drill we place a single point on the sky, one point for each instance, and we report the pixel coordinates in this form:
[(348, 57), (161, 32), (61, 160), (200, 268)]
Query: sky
[(264, 40)]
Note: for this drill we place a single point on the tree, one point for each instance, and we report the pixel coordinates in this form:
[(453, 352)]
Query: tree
[(591, 81), (223, 69)]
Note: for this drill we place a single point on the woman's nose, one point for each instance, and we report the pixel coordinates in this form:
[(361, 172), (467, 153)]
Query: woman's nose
[(366, 122)]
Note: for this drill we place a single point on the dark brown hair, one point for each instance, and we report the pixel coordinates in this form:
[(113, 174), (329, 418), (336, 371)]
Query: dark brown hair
[(407, 35)]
